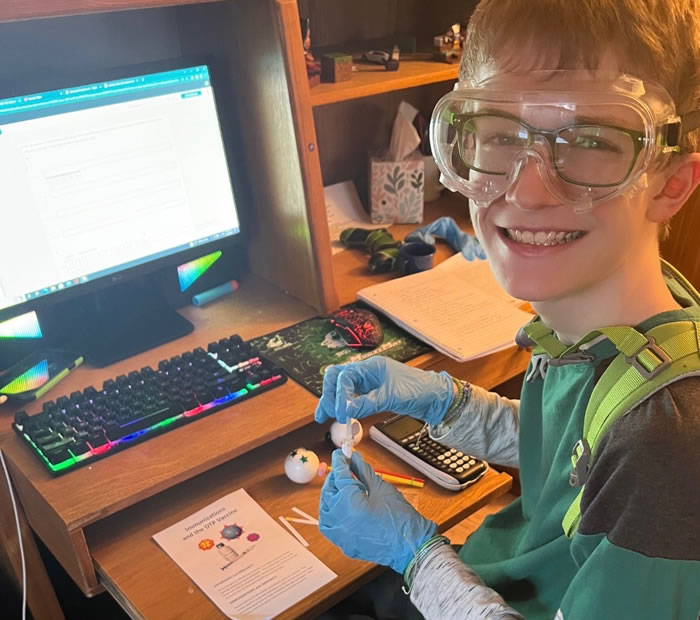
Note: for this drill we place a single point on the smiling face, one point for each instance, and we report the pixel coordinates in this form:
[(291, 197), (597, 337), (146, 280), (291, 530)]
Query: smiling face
[(540, 249)]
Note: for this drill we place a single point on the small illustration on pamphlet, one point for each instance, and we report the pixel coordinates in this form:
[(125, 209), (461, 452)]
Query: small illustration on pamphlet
[(231, 532), (230, 555)]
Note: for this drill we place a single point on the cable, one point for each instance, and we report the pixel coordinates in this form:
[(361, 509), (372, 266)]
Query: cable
[(19, 538)]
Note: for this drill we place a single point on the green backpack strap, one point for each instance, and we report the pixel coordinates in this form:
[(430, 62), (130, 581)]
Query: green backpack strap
[(646, 363)]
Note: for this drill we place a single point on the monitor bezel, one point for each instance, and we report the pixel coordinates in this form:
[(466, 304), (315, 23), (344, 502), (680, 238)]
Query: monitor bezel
[(233, 243)]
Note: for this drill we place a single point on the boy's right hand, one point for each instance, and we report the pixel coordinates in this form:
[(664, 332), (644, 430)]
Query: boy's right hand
[(359, 389)]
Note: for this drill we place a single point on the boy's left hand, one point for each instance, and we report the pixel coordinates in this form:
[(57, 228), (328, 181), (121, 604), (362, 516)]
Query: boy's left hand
[(368, 518)]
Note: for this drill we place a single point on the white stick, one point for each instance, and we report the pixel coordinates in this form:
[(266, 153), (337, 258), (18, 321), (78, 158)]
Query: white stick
[(304, 521), (293, 532), (301, 513)]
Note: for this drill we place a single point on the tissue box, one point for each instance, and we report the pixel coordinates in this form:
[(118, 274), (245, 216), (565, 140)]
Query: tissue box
[(336, 67), (396, 189)]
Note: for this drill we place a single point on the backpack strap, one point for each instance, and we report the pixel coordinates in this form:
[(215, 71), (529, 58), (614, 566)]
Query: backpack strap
[(646, 363)]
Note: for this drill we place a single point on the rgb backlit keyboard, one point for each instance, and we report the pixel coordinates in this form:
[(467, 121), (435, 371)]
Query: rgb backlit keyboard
[(78, 429)]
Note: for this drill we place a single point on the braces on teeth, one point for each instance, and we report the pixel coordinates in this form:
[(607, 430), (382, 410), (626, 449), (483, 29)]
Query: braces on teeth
[(541, 237)]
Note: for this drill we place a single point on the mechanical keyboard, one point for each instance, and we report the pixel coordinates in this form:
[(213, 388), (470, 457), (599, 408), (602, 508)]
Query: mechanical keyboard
[(76, 430)]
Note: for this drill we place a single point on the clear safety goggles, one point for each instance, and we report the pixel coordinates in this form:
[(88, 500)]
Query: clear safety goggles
[(592, 136)]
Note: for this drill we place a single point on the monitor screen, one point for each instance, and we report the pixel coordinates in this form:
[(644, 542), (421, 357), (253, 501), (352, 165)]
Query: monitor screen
[(108, 176)]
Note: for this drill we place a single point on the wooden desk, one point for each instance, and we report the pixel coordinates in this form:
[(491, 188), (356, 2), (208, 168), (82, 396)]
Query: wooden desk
[(149, 584), (71, 513)]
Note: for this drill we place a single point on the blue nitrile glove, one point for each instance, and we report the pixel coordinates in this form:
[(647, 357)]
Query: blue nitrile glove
[(368, 518), (359, 389), (446, 228)]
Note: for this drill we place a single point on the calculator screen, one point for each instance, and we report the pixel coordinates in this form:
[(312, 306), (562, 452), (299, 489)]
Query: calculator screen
[(401, 427)]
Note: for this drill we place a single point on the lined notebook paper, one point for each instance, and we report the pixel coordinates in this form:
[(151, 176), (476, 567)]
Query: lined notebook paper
[(457, 307)]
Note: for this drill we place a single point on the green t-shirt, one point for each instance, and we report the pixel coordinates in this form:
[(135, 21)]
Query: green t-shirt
[(637, 550)]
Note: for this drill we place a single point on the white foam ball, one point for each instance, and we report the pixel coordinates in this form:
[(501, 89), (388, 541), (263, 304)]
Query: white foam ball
[(301, 465), (338, 433)]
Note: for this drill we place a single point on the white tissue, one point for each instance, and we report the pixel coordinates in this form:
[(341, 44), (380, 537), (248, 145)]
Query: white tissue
[(404, 137)]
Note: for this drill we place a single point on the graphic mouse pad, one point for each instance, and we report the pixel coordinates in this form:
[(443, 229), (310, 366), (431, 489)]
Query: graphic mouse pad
[(306, 349)]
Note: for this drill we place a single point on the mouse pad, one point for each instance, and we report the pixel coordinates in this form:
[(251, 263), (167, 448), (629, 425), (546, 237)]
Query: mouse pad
[(306, 349)]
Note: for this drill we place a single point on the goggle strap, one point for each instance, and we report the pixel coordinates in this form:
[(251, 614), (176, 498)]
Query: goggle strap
[(673, 134)]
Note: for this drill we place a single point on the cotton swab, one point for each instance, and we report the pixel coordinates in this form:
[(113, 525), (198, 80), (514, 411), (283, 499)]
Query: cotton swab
[(347, 442)]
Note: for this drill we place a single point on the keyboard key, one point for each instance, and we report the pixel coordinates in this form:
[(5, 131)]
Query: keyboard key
[(58, 456), (79, 447), (97, 439)]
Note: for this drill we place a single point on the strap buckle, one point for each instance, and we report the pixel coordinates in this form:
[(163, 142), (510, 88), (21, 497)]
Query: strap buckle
[(580, 459), (576, 357), (651, 347)]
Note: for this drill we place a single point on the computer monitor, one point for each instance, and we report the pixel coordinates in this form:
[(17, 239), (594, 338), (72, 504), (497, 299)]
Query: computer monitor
[(103, 184)]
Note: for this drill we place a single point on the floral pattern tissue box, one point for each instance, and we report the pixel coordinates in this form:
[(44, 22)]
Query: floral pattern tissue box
[(396, 189)]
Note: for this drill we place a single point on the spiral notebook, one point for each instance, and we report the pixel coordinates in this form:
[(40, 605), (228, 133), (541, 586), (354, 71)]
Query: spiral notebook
[(457, 307)]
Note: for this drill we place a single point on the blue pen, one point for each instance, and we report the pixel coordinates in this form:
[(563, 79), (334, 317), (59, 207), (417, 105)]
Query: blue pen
[(214, 293)]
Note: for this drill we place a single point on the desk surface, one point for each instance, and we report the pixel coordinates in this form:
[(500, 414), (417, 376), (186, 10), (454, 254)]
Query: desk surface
[(124, 541)]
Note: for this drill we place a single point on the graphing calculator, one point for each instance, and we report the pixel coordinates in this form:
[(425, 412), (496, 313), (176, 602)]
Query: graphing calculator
[(408, 439)]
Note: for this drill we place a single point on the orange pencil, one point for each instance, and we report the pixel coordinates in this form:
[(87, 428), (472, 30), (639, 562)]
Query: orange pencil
[(407, 480), (410, 481)]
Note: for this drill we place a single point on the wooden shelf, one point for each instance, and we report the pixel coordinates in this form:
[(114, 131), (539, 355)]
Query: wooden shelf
[(371, 80)]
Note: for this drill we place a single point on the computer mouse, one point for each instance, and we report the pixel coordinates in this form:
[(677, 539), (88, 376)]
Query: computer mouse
[(359, 328)]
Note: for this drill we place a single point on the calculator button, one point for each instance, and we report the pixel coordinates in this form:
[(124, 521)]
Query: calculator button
[(453, 465), (460, 462), (452, 451), (460, 454), (415, 448), (405, 440), (472, 462), (459, 470), (441, 457)]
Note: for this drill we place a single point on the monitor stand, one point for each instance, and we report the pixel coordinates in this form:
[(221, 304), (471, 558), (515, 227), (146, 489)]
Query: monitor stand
[(118, 322)]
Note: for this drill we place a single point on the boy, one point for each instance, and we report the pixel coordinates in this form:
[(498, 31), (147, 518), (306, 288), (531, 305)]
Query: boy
[(564, 133)]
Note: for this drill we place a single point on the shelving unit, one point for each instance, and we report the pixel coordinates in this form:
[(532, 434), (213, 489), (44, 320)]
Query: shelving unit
[(354, 118)]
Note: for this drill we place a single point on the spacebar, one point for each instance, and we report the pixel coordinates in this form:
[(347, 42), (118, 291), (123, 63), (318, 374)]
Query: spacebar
[(115, 432)]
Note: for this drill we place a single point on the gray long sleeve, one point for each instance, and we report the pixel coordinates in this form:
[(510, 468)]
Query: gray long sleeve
[(486, 426), (444, 587)]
